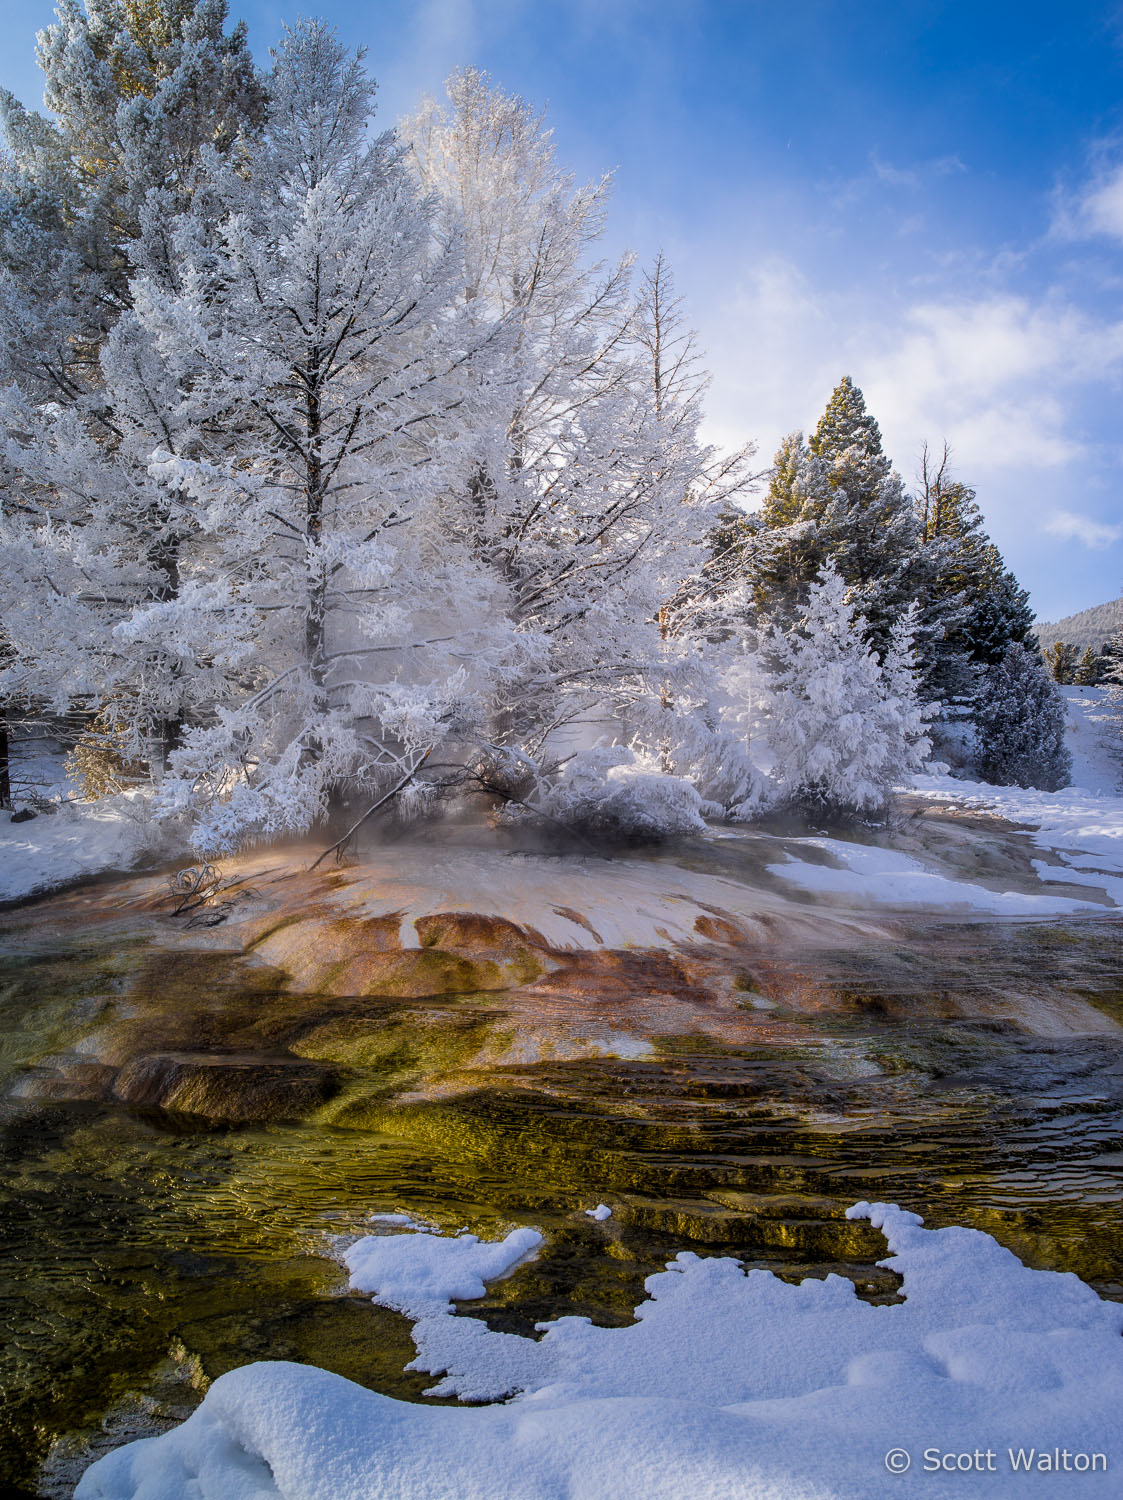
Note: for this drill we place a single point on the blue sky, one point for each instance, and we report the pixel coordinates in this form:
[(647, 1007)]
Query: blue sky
[(927, 196)]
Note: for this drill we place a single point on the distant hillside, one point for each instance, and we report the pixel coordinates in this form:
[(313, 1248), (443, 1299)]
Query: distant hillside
[(1091, 627)]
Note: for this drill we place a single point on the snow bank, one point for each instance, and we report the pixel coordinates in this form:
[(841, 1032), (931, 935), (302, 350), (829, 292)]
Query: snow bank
[(1095, 737), (894, 879), (610, 792), (989, 1379), (79, 839)]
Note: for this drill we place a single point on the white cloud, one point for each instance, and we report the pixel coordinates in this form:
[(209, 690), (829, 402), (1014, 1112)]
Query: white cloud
[(1067, 524), (1000, 376)]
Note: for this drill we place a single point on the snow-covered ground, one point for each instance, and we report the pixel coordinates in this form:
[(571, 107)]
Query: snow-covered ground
[(865, 873), (1095, 737), (77, 839), (1083, 824), (989, 1379), (68, 838)]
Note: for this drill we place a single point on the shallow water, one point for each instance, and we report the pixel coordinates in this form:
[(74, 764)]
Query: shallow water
[(144, 1252)]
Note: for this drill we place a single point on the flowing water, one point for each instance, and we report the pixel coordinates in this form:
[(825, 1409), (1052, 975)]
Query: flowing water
[(147, 1247)]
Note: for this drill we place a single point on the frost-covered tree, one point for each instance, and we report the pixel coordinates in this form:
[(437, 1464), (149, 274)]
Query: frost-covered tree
[(299, 405), (1112, 656), (1021, 724), (843, 727), (137, 94), (596, 503)]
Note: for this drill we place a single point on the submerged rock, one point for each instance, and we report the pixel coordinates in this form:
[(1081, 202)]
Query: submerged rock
[(224, 1088)]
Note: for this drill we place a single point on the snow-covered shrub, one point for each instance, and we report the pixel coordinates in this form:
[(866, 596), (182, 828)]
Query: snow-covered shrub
[(612, 793), (693, 733), (843, 728), (1021, 725)]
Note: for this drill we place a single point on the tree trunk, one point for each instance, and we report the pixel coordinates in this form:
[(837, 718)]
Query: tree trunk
[(5, 768)]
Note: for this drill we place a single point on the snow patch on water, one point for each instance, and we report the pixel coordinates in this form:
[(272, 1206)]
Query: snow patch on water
[(423, 1273), (731, 1385)]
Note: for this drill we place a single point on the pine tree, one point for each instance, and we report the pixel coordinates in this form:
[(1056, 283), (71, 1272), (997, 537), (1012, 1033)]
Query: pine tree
[(834, 500), (1088, 669), (1021, 725), (1112, 656), (1061, 658), (981, 603), (870, 530), (787, 545), (844, 727)]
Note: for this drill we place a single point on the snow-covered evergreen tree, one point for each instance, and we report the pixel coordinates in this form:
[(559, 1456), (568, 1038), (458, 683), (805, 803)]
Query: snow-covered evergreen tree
[(1112, 654), (843, 727), (1021, 724), (136, 93)]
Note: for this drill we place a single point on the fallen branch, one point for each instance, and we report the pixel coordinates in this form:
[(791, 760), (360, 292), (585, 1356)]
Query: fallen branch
[(341, 844), (191, 887)]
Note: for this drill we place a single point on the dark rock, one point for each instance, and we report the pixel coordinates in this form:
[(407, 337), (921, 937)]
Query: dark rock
[(24, 815), (225, 1087)]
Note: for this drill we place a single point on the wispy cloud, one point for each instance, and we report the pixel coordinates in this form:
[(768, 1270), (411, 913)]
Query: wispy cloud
[(886, 172), (1073, 527), (1096, 206)]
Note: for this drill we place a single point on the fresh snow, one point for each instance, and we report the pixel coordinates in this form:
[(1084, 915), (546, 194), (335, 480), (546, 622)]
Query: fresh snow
[(730, 1385), (1095, 737), (77, 839), (422, 1273)]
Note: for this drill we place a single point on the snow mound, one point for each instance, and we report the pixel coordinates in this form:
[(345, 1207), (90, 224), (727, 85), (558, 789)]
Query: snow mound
[(731, 1385), (611, 792)]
